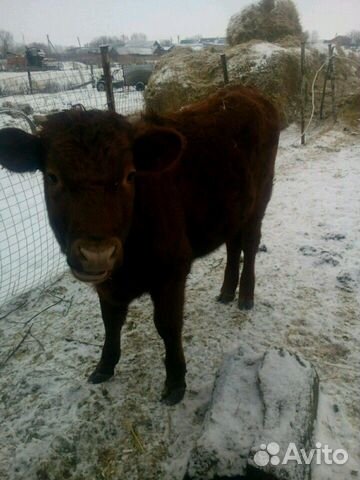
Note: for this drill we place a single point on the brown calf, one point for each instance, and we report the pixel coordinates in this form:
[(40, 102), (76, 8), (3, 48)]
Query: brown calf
[(132, 205)]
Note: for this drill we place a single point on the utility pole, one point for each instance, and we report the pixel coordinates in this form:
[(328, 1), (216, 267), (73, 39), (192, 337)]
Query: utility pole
[(50, 45)]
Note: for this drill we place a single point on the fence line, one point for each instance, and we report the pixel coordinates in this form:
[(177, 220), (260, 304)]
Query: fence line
[(60, 90)]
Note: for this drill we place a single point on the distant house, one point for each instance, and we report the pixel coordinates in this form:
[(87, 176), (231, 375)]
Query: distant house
[(131, 52), (340, 41), (193, 43), (200, 43), (214, 41), (15, 61), (138, 52), (87, 55)]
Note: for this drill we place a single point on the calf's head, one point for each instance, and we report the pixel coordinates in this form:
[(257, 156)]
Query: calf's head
[(90, 162)]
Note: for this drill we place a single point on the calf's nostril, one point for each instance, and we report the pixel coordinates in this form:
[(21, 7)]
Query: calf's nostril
[(83, 253), (98, 256)]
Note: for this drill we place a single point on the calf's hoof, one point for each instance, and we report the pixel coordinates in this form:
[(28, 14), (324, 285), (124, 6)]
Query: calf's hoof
[(174, 394), (245, 304), (225, 297), (98, 376)]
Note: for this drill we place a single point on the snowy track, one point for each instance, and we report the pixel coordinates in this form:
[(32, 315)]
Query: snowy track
[(54, 425)]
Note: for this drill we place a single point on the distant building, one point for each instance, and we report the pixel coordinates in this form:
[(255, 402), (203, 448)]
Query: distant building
[(197, 43), (138, 52), (15, 62), (214, 41), (340, 41), (193, 43), (131, 52)]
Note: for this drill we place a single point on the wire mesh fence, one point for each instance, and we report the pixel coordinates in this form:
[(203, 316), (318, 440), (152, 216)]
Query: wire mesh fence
[(29, 254), (44, 92)]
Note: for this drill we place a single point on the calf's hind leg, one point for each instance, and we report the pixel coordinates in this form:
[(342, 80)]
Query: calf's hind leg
[(250, 243), (231, 277)]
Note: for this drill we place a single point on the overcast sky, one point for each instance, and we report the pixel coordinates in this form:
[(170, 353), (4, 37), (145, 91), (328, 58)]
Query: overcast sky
[(64, 20)]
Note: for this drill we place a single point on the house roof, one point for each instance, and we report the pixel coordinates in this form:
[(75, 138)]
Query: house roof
[(193, 46), (141, 48), (214, 41), (130, 50), (199, 44)]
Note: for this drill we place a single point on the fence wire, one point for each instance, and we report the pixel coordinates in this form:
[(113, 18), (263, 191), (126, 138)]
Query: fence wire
[(29, 254), (51, 91)]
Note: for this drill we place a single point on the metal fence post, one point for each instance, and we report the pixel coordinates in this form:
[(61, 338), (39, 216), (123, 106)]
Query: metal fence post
[(224, 68), (105, 60), (327, 76), (303, 91), (332, 80), (30, 81), (92, 75)]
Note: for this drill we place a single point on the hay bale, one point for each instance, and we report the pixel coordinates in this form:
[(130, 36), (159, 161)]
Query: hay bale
[(268, 20), (182, 77), (185, 76)]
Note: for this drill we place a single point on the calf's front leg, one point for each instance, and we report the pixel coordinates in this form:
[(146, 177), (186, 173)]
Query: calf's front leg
[(113, 317), (168, 317)]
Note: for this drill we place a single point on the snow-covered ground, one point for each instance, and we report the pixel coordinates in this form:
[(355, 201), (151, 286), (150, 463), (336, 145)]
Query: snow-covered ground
[(54, 425)]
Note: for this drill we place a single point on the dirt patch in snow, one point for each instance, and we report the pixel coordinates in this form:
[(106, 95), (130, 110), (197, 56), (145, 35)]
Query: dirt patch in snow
[(56, 426)]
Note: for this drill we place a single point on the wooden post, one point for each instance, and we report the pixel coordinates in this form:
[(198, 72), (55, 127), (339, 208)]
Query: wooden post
[(224, 68), (30, 81), (303, 92), (104, 50)]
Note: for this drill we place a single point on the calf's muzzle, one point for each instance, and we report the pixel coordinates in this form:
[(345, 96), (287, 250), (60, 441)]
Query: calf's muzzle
[(93, 260)]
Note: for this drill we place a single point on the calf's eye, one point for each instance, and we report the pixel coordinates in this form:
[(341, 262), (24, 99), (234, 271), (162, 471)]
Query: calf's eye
[(131, 176)]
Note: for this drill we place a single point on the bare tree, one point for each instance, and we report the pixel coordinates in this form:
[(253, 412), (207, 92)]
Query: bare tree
[(355, 37), (107, 40), (138, 37), (314, 36), (6, 42), (166, 42)]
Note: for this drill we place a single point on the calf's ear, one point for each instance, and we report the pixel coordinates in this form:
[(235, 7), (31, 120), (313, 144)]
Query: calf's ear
[(19, 151), (157, 148)]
